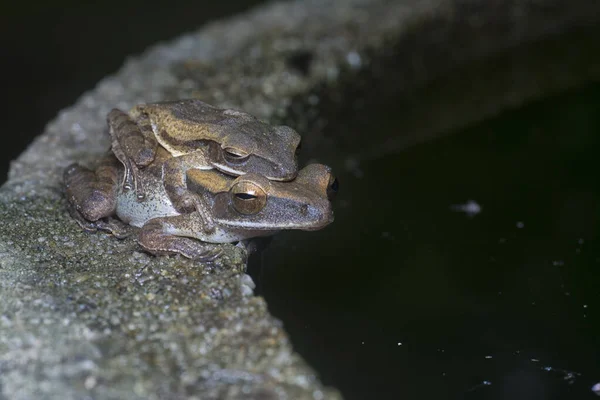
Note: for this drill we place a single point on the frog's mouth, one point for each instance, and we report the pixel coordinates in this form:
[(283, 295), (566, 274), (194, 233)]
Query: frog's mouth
[(259, 225)]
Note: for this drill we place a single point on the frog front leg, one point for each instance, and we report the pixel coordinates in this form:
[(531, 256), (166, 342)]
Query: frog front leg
[(174, 235), (134, 144), (91, 195), (175, 183)]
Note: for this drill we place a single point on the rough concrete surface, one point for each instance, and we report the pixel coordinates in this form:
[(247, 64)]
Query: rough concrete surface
[(89, 316)]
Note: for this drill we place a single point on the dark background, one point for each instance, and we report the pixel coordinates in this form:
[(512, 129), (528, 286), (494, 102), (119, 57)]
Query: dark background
[(53, 52), (471, 300)]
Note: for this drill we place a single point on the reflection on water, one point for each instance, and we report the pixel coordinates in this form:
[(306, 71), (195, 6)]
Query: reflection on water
[(406, 295)]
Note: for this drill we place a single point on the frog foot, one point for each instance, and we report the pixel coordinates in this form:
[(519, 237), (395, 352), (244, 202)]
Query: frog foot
[(91, 197), (108, 224), (154, 240)]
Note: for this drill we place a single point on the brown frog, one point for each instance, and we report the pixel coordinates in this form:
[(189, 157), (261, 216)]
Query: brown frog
[(241, 207), (199, 136)]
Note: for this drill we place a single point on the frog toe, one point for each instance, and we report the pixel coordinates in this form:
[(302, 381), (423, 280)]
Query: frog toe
[(196, 250), (113, 226), (208, 254), (133, 182)]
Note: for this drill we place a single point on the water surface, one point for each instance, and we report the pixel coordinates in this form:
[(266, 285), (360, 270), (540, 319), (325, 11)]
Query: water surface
[(407, 298)]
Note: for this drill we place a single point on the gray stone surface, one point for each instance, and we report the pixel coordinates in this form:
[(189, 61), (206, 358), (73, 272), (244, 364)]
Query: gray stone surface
[(89, 316)]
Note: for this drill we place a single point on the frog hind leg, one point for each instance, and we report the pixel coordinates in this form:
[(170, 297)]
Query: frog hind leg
[(91, 196), (134, 145), (173, 235)]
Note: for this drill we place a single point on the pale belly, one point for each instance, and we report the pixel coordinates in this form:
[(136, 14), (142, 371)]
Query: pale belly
[(137, 213)]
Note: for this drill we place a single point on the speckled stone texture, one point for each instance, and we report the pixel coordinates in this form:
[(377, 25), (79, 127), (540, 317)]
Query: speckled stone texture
[(87, 316)]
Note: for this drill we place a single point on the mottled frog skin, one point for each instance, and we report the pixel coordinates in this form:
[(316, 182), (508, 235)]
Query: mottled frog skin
[(199, 136), (239, 207)]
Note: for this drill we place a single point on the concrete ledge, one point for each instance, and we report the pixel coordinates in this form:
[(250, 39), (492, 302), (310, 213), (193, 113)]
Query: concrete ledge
[(88, 316)]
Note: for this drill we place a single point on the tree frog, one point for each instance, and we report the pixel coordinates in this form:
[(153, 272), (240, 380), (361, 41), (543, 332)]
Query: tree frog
[(199, 136), (240, 207)]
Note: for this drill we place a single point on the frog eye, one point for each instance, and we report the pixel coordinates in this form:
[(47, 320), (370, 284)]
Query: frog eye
[(234, 155), (248, 198), (332, 187)]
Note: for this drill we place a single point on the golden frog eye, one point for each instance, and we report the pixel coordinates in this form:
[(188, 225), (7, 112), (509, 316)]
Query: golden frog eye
[(248, 198), (234, 155), (332, 187)]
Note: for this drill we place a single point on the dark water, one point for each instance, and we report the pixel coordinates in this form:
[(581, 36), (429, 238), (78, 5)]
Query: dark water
[(402, 297)]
